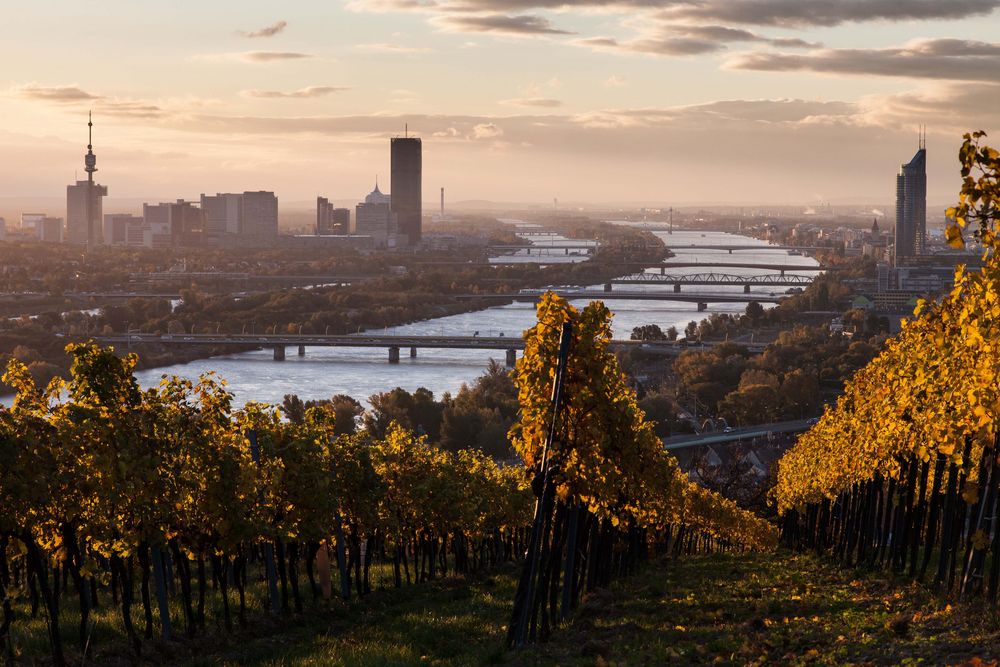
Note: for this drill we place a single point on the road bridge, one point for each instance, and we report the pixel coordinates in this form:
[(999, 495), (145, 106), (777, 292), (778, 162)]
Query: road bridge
[(732, 248), (581, 247), (733, 435), (393, 343), (702, 299), (763, 266), (167, 276), (712, 279)]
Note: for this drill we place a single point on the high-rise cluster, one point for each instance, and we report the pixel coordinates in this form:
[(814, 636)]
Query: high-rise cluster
[(388, 220)]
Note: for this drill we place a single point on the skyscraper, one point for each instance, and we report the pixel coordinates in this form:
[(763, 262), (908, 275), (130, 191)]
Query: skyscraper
[(405, 187), (375, 218), (83, 201), (911, 206), (223, 213), (330, 219), (260, 216)]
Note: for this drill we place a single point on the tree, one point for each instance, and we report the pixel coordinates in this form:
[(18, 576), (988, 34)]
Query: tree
[(346, 411), (751, 404), (754, 311), (691, 329), (672, 333), (294, 408), (799, 394), (648, 332)]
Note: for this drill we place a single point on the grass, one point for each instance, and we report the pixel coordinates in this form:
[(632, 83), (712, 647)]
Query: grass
[(761, 609)]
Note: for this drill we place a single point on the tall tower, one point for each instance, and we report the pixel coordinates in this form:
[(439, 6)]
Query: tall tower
[(90, 166), (83, 201), (405, 186), (911, 205)]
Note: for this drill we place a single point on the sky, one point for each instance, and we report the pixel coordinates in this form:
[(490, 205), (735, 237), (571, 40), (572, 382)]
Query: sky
[(669, 102)]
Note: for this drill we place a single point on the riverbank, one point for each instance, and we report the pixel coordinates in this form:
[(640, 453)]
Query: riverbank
[(423, 287)]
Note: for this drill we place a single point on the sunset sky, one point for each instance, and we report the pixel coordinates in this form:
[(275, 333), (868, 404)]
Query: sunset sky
[(666, 101)]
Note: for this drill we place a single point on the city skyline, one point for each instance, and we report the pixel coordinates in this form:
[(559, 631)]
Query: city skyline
[(592, 102)]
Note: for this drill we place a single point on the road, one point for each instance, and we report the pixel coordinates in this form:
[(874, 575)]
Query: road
[(685, 441)]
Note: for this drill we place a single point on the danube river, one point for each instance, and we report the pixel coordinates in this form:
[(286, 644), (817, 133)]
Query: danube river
[(360, 372)]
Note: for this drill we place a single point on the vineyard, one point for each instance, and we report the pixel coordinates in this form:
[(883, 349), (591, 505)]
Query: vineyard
[(904, 473), (189, 517)]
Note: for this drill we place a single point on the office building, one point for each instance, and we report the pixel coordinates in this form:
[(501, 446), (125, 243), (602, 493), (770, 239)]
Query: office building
[(50, 230), (223, 214), (405, 186), (331, 220), (117, 225), (341, 218), (374, 218), (911, 207), (31, 221), (78, 212), (84, 201), (156, 226), (260, 217), (171, 224)]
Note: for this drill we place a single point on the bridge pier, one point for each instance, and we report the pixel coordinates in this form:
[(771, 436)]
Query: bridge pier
[(677, 287), (607, 287), (511, 358), (663, 270), (279, 352), (413, 353), (746, 288), (302, 350), (702, 306), (393, 355)]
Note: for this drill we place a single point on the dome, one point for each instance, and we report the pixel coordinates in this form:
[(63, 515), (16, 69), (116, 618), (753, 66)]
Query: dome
[(376, 197)]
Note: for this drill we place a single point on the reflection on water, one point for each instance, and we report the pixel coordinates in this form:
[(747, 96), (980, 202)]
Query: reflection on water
[(360, 372)]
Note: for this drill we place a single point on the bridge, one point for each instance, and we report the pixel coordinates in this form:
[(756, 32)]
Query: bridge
[(713, 279), (733, 435), (731, 248), (161, 276), (702, 299), (781, 268), (394, 343), (587, 247)]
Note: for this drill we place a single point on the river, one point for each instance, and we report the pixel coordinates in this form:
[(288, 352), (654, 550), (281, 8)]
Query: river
[(360, 372)]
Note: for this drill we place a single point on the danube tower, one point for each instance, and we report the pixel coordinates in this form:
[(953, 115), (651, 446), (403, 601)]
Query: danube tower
[(83, 200)]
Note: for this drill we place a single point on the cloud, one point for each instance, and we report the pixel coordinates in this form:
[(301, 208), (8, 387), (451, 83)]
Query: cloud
[(70, 94), (383, 47), (486, 131), (308, 91), (949, 59), (796, 13), (785, 13), (267, 31), (532, 102), (671, 40), (130, 109), (500, 23), (58, 94), (615, 81), (951, 108), (252, 56)]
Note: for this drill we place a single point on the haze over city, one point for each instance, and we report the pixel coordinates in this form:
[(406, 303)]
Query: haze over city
[(588, 102)]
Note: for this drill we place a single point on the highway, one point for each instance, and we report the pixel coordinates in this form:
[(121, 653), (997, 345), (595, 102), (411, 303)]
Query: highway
[(718, 437)]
